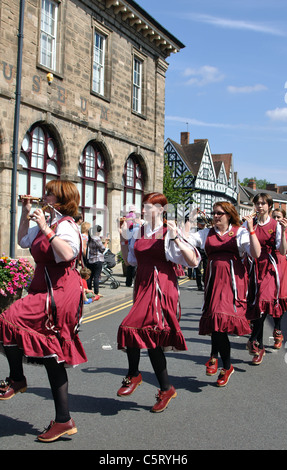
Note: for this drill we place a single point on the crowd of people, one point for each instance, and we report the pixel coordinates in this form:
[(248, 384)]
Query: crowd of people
[(247, 260)]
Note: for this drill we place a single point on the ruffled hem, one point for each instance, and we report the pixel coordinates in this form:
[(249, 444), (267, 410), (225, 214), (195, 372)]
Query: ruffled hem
[(150, 338), (274, 309), (37, 346), (224, 324), (283, 304)]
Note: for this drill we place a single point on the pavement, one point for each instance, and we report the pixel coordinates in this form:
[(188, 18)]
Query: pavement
[(111, 296)]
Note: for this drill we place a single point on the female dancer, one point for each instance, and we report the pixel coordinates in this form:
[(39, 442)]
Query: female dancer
[(226, 281), (279, 214), (42, 327), (153, 321), (271, 235)]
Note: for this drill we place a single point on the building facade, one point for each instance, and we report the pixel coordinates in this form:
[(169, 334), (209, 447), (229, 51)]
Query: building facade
[(213, 178), (92, 104)]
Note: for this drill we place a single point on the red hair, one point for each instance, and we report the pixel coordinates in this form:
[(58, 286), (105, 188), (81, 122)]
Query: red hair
[(155, 198), (67, 195), (230, 210)]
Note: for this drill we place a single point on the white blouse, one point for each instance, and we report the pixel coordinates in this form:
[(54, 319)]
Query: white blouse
[(242, 239), (66, 231), (172, 252), (278, 231)]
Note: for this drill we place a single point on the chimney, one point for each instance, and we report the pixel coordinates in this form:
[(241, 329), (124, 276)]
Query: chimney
[(184, 138), (252, 184), (272, 187)]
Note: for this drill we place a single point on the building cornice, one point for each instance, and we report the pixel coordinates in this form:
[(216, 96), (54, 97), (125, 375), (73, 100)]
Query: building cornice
[(132, 13)]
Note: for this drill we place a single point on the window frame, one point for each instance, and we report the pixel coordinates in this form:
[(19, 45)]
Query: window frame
[(99, 67), (105, 34), (137, 176), (139, 86), (98, 168)]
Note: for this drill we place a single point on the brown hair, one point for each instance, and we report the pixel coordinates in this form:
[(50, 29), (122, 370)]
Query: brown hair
[(85, 272), (230, 210), (67, 194), (267, 198), (278, 209)]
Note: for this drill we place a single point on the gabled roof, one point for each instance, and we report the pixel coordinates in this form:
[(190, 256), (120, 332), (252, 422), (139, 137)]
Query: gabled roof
[(217, 166), (191, 154), (226, 158)]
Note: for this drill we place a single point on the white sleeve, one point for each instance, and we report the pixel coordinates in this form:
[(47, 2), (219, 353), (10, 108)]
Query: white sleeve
[(28, 239), (69, 232), (243, 241), (174, 254)]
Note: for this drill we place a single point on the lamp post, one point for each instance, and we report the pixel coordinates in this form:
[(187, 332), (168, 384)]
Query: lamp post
[(16, 129)]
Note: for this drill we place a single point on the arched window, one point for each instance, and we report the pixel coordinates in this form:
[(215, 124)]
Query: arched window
[(93, 186), (40, 162), (133, 184)]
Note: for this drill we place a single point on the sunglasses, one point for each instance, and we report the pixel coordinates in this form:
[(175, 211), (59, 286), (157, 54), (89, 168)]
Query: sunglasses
[(218, 213)]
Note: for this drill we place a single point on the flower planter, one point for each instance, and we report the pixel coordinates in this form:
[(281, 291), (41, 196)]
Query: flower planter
[(6, 301)]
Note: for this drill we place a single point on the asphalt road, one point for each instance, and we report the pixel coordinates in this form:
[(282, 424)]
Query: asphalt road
[(248, 414)]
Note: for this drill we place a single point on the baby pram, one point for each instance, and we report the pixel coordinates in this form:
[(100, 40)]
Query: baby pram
[(107, 272)]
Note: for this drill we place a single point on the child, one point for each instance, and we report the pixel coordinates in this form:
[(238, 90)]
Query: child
[(89, 295)]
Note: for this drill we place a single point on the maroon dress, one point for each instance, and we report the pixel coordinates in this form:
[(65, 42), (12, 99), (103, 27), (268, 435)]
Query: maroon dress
[(226, 284), (44, 323), (282, 269), (154, 317), (266, 275)]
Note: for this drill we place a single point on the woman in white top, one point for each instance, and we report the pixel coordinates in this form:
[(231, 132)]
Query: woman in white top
[(226, 283), (42, 326), (271, 235), (153, 321)]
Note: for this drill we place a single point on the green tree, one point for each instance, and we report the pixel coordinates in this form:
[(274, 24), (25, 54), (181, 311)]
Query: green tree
[(260, 184), (174, 187)]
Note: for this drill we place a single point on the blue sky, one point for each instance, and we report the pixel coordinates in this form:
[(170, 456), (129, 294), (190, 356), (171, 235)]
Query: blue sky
[(229, 84)]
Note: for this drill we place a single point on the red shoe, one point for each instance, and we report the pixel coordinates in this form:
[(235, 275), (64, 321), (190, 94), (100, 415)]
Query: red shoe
[(9, 388), (211, 366), (129, 385), (56, 430), (278, 339), (258, 358), (224, 376), (163, 399), (252, 347)]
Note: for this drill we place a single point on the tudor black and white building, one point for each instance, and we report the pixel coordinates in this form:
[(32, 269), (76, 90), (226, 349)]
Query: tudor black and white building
[(213, 178)]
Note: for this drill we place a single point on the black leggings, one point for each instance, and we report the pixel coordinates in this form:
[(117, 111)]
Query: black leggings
[(57, 377), (257, 330), (158, 362), (220, 345)]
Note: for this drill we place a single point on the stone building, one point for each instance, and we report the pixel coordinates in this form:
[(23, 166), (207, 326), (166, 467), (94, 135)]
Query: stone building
[(92, 104)]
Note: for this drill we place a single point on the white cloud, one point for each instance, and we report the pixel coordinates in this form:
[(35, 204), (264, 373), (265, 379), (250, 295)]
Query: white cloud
[(196, 122), (278, 114), (246, 89), (203, 75), (228, 23)]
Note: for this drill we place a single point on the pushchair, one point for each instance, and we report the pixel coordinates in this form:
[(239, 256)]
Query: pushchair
[(107, 272)]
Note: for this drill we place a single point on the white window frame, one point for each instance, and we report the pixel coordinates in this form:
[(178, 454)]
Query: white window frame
[(48, 55), (137, 84), (98, 79)]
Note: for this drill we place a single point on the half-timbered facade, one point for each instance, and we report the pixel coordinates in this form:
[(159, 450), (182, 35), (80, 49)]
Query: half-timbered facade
[(213, 177)]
